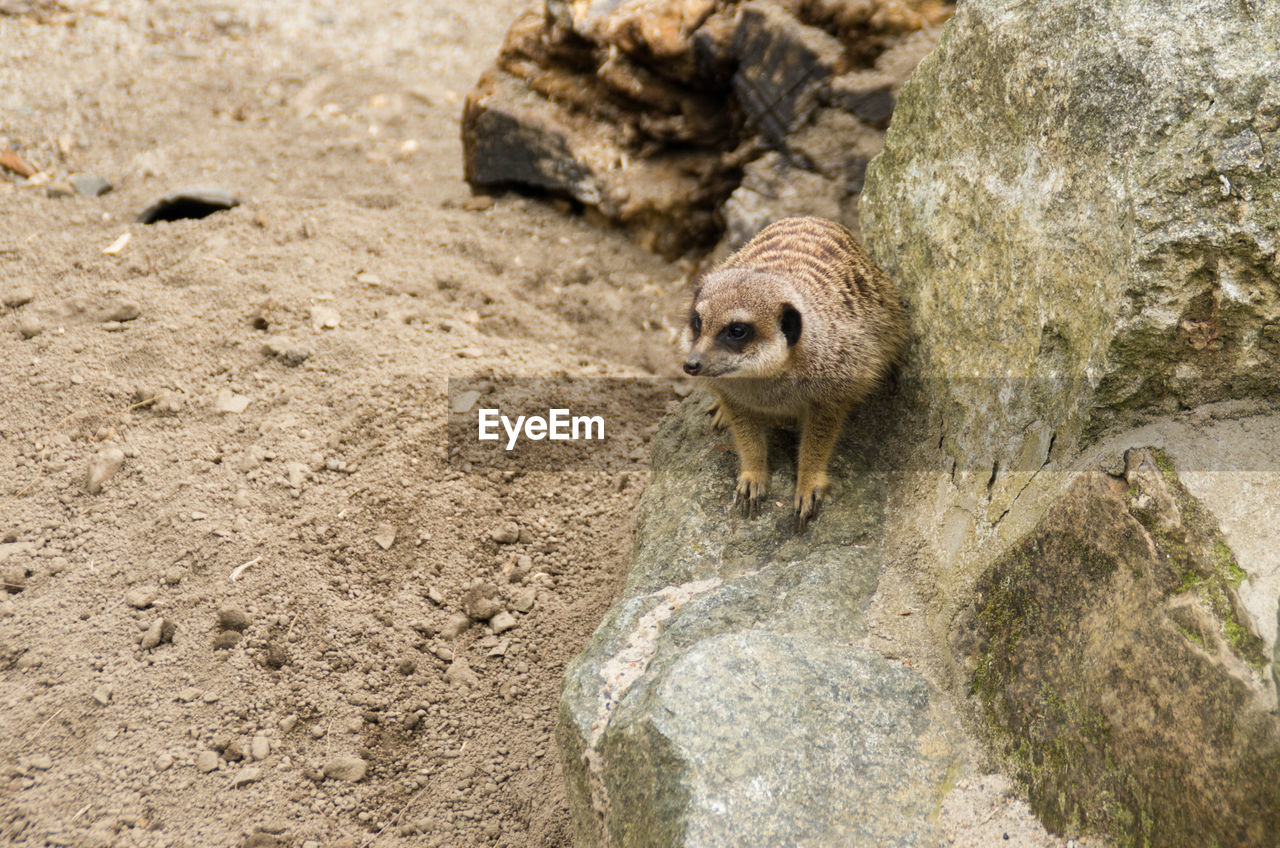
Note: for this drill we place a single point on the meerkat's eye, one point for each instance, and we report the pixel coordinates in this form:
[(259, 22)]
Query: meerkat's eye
[(737, 331), (695, 324)]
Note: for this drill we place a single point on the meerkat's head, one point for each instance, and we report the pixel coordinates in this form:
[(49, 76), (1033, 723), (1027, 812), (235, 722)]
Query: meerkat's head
[(742, 323)]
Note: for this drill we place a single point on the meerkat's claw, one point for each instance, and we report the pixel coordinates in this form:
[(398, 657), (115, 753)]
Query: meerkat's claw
[(750, 492), (719, 418), (809, 494)]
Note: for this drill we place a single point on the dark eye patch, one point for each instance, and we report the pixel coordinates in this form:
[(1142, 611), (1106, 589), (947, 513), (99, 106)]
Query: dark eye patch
[(736, 334), (695, 324)]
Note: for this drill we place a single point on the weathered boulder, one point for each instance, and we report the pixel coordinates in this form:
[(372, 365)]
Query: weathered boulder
[(1082, 207), (727, 699), (1119, 670), (647, 111)]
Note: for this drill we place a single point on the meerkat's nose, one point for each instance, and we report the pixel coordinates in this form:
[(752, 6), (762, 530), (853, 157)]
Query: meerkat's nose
[(692, 367)]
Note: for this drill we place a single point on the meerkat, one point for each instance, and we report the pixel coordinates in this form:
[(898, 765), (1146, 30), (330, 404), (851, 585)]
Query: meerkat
[(797, 325)]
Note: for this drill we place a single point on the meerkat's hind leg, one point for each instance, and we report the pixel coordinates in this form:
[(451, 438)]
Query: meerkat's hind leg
[(819, 429), (751, 440)]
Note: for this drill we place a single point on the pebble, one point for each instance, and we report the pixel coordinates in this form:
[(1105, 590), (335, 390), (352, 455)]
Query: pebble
[(226, 640), (346, 768), (502, 622), (369, 279), (103, 694), (89, 185), (14, 578), (228, 402), (206, 761), (435, 596), (260, 747), (260, 840), (287, 350), (189, 693), (463, 401), (164, 762), (406, 667), (481, 602), (103, 467), (459, 673), (160, 632), (523, 599), (325, 318), (505, 534), (20, 296), (120, 310), (30, 326), (141, 597), (232, 752), (385, 535), (288, 723), (41, 762), (500, 649), (456, 625), (245, 776), (276, 655), (233, 618)]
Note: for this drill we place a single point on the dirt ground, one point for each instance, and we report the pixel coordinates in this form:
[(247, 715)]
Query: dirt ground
[(259, 604)]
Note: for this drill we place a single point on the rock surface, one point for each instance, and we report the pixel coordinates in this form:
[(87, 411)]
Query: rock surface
[(1083, 212), (647, 111), (732, 671), (1112, 656)]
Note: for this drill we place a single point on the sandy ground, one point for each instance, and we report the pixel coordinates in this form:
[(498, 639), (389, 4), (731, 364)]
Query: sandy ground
[(323, 519)]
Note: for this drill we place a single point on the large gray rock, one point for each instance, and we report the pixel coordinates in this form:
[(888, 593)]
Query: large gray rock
[(727, 699), (1120, 672), (1081, 203)]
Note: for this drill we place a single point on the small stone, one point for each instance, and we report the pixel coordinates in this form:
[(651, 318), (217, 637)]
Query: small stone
[(120, 310), (502, 622), (206, 761), (455, 626), (245, 776), (103, 467), (288, 723), (21, 296), (435, 596), (160, 632), (523, 599), (259, 840), (87, 185), (505, 534), (463, 401), (276, 655), (385, 535), (369, 279), (406, 666), (325, 317), (481, 602), (41, 762), (141, 597), (30, 326), (189, 693), (226, 640), (14, 578), (228, 402), (164, 762), (285, 349), (346, 768), (233, 618), (459, 673), (500, 649), (103, 694), (260, 747)]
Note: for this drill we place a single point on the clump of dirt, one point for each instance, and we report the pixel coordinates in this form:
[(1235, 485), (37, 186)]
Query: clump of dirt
[(265, 627)]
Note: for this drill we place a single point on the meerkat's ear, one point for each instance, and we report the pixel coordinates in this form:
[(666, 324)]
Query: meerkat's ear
[(790, 323)]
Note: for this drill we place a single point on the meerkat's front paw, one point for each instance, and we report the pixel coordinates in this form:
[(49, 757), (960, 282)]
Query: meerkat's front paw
[(719, 417), (810, 490), (752, 486)]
